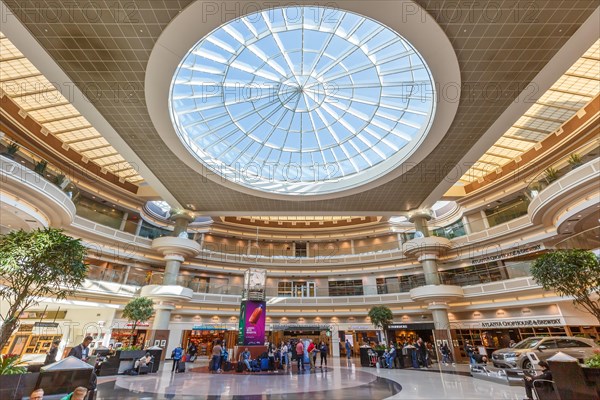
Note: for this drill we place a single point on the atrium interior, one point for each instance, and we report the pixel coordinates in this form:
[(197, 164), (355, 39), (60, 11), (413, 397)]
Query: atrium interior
[(386, 199)]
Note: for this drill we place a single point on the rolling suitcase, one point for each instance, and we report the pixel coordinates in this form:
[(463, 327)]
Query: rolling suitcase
[(227, 366), (181, 367), (240, 366)]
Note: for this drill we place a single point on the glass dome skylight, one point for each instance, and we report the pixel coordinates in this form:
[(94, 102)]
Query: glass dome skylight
[(302, 100)]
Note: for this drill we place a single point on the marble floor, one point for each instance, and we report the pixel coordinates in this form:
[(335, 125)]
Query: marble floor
[(343, 381)]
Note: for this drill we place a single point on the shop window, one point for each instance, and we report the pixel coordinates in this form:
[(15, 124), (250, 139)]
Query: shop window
[(296, 289), (451, 231), (99, 212), (300, 249), (508, 211), (346, 288)]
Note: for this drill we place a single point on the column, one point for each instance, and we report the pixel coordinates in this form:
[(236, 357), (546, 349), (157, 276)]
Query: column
[(352, 246), (435, 294), (369, 285), (162, 315), (172, 265), (486, 223), (465, 222), (123, 221), (138, 228)]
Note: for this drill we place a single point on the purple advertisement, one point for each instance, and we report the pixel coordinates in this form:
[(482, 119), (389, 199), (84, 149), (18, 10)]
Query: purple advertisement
[(255, 323)]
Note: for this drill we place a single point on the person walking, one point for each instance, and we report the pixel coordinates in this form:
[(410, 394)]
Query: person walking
[(300, 355), (470, 351), (192, 350), (176, 355), (323, 350), (348, 350), (81, 351), (51, 354)]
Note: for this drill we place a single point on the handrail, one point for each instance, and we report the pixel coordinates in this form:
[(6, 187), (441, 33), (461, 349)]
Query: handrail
[(34, 162), (563, 166)]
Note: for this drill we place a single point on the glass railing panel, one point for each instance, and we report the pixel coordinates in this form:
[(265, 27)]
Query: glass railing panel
[(38, 165)]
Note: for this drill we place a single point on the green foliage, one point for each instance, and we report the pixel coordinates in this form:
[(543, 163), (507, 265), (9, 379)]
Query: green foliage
[(573, 273), (130, 348), (36, 264), (381, 317), (40, 167), (138, 310), (594, 361), (12, 148), (551, 174), (9, 365), (575, 159)]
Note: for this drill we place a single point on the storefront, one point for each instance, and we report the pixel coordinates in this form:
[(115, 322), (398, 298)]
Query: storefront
[(497, 334), (122, 336), (316, 332), (204, 336), (33, 339), (401, 333)]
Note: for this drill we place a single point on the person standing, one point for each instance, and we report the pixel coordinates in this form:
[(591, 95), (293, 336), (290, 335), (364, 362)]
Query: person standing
[(192, 350), (300, 355), (310, 350), (284, 355), (392, 356), (176, 355), (323, 350), (529, 380), (81, 351), (422, 353), (51, 354), (216, 357), (348, 349), (470, 351)]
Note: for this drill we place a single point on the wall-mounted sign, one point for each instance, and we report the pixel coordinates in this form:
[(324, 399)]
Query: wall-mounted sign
[(209, 327), (301, 327), (423, 326), (508, 254), (524, 323)]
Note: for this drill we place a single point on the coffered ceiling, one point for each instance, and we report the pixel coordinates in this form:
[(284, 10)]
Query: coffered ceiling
[(105, 50)]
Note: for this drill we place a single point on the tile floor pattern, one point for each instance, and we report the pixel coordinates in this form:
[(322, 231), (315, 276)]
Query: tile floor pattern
[(343, 381)]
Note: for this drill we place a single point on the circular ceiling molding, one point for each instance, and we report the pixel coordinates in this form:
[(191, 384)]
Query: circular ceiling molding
[(300, 102)]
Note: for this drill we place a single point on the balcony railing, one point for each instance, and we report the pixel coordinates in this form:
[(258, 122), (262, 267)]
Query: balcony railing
[(459, 277)]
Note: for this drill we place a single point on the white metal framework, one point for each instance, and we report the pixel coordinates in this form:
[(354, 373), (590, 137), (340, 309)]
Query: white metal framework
[(299, 97)]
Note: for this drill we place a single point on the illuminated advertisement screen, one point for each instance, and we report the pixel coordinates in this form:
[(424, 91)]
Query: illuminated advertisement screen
[(255, 318)]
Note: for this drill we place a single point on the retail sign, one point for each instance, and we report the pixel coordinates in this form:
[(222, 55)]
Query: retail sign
[(398, 326), (301, 327), (523, 323), (209, 327), (508, 254), (419, 326), (254, 326), (139, 324), (242, 323)]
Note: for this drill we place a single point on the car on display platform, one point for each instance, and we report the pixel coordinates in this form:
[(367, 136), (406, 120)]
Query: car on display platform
[(543, 347)]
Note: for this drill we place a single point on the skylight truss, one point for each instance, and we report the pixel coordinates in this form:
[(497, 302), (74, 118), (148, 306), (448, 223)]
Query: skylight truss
[(288, 100)]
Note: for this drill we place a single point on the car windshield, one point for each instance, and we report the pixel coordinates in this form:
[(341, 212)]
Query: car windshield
[(527, 344)]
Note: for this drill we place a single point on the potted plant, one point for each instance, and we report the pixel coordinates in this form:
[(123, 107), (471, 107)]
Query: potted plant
[(11, 150), (37, 264), (9, 365), (136, 311), (551, 174), (61, 181), (40, 167), (575, 161)]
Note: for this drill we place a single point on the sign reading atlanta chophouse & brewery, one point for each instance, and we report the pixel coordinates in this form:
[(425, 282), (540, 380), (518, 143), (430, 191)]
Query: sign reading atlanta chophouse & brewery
[(527, 322)]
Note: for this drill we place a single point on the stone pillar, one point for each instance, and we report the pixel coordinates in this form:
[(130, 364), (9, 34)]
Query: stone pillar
[(370, 285), (465, 222), (435, 294), (182, 220), (352, 251), (138, 228), (123, 221), (162, 315), (175, 250), (172, 265), (420, 218)]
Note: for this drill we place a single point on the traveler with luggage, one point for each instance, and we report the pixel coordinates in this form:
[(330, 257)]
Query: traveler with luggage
[(176, 355)]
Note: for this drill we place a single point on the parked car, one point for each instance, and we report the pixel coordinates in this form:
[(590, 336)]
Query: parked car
[(544, 347)]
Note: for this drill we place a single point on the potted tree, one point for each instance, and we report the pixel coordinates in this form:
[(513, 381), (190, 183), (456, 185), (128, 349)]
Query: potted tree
[(381, 317), (136, 311), (37, 264), (571, 273), (61, 181), (11, 150), (575, 161), (40, 167), (551, 174)]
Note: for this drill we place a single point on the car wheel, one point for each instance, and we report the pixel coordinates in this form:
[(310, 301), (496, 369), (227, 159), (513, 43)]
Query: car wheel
[(527, 364)]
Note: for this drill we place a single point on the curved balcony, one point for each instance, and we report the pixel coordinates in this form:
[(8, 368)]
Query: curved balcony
[(41, 191)]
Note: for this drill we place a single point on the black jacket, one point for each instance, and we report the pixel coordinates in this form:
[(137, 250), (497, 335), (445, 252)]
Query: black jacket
[(51, 356)]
